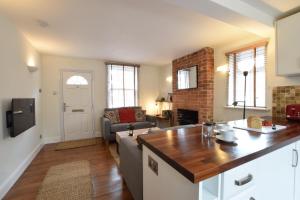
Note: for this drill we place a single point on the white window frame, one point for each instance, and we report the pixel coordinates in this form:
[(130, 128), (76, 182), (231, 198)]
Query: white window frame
[(254, 47), (136, 83)]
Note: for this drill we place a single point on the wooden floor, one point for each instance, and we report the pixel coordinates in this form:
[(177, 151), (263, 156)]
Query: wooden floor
[(107, 181)]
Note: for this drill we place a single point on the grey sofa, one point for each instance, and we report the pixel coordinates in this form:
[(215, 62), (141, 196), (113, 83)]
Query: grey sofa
[(109, 130), (131, 163)]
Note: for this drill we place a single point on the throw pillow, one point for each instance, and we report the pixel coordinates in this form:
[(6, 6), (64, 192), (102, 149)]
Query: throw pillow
[(127, 115), (140, 115), (113, 116)]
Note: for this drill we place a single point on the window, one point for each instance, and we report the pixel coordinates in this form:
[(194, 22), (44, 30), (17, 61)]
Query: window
[(77, 80), (252, 60), (122, 85)]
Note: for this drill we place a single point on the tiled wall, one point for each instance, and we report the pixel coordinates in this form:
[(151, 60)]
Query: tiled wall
[(200, 98), (282, 96)]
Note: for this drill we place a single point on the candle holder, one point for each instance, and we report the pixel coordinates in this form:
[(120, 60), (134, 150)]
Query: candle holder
[(130, 129)]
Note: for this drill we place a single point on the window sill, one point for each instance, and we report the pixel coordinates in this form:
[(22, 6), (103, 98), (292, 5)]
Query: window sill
[(248, 108)]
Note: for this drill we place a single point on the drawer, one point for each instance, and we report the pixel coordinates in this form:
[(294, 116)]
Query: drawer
[(248, 194), (239, 179)]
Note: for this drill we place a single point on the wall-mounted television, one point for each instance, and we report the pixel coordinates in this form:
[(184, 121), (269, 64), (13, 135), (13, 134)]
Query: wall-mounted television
[(21, 117), (187, 78)]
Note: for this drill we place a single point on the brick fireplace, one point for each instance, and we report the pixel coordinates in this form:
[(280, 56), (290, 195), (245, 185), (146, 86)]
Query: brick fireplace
[(201, 98)]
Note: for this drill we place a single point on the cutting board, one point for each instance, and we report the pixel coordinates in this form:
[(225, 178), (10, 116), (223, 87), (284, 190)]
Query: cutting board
[(265, 129)]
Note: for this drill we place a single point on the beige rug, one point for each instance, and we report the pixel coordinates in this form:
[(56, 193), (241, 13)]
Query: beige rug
[(113, 151), (77, 143), (70, 181)]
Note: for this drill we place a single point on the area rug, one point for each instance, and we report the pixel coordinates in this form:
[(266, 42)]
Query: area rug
[(70, 181), (113, 151), (77, 143)]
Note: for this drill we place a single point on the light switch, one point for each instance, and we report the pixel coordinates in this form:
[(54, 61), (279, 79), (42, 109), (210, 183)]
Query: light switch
[(153, 165)]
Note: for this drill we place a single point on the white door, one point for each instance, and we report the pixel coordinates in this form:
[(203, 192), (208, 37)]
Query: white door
[(77, 105)]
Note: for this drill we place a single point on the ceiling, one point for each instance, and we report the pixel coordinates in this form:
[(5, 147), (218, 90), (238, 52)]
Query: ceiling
[(139, 31), (283, 5)]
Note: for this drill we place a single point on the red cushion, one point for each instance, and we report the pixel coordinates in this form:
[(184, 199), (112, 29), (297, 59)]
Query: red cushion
[(127, 115)]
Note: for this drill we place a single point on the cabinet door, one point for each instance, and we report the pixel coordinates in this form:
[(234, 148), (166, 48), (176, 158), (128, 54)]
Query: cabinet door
[(287, 51), (276, 175), (297, 171)]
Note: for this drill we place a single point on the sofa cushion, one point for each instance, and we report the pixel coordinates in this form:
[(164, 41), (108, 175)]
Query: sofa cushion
[(126, 115), (140, 125), (124, 126), (140, 115), (119, 127), (112, 115)]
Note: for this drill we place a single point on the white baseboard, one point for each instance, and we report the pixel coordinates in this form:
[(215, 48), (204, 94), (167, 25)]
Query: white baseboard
[(98, 134), (12, 179), (49, 140)]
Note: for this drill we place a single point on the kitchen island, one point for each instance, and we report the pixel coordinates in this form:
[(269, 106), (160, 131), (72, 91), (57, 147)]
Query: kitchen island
[(182, 164)]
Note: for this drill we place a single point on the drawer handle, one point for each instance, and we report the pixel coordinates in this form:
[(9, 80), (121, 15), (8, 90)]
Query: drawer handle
[(244, 181)]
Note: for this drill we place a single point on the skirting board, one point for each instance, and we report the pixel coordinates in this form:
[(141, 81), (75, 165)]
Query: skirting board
[(50, 140), (98, 134), (12, 179)]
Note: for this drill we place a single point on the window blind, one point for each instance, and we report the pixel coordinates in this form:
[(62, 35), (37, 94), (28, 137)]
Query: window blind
[(252, 60), (122, 82)]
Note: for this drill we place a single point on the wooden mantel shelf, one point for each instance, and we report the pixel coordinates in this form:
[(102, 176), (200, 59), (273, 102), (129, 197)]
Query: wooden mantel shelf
[(198, 158)]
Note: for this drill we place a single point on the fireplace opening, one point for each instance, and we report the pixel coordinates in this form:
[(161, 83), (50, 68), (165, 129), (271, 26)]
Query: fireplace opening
[(185, 117)]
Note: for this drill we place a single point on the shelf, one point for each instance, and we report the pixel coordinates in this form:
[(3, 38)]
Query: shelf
[(208, 196)]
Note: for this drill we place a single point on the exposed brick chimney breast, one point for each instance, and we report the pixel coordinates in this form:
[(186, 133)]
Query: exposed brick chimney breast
[(200, 98)]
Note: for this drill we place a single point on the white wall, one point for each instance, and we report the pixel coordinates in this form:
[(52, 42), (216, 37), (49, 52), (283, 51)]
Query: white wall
[(166, 80), (149, 80), (221, 113), (52, 67), (16, 82), (52, 107)]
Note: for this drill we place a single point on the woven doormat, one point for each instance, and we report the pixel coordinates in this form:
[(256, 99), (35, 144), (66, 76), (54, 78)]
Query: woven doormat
[(70, 181), (77, 143)]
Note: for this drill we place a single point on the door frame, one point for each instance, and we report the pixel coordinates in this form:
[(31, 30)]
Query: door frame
[(61, 100)]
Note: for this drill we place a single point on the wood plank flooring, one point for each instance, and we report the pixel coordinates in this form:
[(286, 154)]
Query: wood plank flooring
[(107, 181)]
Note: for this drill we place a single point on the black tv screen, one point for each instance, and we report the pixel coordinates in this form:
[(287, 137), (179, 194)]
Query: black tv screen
[(22, 115)]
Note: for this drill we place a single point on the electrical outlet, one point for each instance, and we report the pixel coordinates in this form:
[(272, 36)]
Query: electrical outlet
[(153, 165)]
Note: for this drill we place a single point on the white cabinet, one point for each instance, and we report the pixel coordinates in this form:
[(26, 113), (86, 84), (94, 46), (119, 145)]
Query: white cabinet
[(268, 177), (238, 180), (248, 194), (297, 170), (276, 175), (288, 45)]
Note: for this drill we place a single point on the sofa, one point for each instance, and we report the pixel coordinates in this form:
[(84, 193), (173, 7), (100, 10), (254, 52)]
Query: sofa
[(131, 163), (112, 121)]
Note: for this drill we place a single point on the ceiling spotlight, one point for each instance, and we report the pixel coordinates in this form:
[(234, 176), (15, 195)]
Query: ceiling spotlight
[(42, 23)]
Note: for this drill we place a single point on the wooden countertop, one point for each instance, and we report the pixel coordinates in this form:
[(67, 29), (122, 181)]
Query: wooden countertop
[(198, 158)]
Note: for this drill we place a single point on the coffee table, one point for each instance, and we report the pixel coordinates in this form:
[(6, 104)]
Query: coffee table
[(136, 132)]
